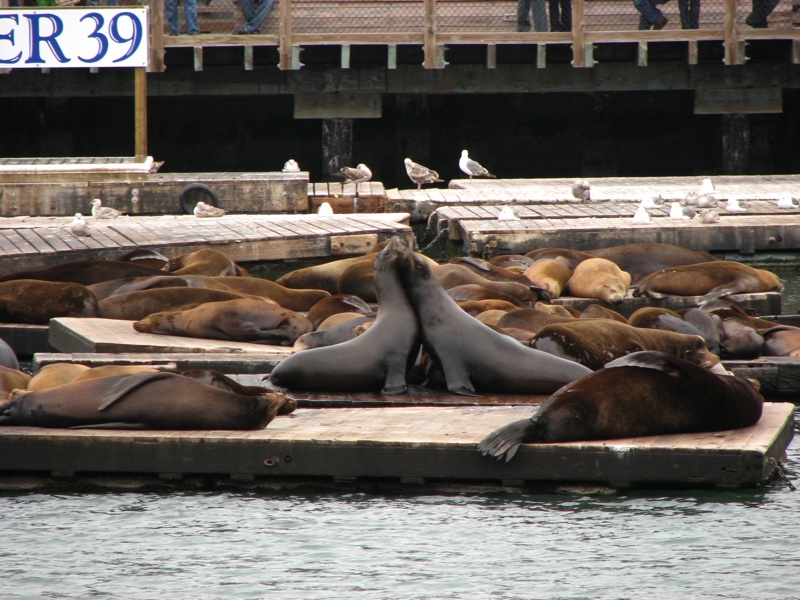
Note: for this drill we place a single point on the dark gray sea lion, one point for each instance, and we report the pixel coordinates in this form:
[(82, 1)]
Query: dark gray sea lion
[(656, 317), (640, 260), (596, 342), (473, 356), (36, 301), (219, 380), (645, 393), (709, 326), (8, 357), (709, 279), (135, 306), (599, 278), (740, 341), (782, 340), (86, 272), (378, 359), (337, 334), (241, 320), (141, 401)]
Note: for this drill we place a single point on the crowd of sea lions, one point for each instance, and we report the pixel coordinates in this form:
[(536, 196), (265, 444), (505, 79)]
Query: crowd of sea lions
[(395, 318)]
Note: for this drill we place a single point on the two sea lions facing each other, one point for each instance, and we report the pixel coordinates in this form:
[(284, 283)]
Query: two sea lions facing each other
[(641, 394)]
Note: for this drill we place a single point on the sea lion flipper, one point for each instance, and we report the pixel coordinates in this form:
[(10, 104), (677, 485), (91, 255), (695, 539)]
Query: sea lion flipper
[(128, 384), (394, 390), (463, 390), (505, 441), (111, 425), (647, 359)]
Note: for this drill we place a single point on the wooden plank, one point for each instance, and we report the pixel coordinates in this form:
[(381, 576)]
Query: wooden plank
[(407, 443)]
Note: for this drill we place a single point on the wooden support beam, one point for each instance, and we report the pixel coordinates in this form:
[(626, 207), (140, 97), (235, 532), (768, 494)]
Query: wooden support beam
[(337, 144), (641, 55), (541, 56), (491, 56), (248, 58), (140, 110), (735, 144), (391, 56), (337, 106), (287, 58), (157, 36), (738, 101), (795, 52), (433, 60), (692, 53), (578, 35), (198, 58), (345, 64), (731, 34)]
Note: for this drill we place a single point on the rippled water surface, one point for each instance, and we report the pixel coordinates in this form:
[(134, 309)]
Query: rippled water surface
[(636, 544)]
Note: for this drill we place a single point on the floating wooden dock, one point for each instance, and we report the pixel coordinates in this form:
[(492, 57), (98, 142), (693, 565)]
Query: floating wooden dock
[(38, 242), (410, 445)]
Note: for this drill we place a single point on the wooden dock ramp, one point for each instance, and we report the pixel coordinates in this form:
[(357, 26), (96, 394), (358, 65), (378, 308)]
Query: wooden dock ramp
[(409, 445)]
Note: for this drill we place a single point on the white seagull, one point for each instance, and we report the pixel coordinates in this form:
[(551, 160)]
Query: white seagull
[(787, 202), (291, 166), (507, 214), (356, 175), (78, 227), (642, 216), (652, 202), (706, 187), (203, 210), (472, 167), (676, 211), (419, 174), (734, 206), (103, 212), (708, 215), (581, 190), (325, 209)]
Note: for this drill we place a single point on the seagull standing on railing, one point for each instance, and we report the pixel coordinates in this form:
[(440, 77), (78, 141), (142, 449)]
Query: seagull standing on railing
[(419, 174), (471, 167)]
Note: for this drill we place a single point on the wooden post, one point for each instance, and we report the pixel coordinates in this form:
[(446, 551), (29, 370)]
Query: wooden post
[(140, 110), (578, 38), (731, 42), (157, 36), (285, 62), (337, 144), (430, 27), (735, 143)]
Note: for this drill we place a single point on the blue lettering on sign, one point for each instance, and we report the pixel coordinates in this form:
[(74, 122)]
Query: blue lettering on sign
[(136, 35), (102, 40), (37, 38), (10, 37)]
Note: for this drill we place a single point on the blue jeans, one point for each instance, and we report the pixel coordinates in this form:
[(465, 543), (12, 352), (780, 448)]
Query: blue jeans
[(254, 13), (650, 14), (690, 13), (524, 15), (189, 13), (97, 2)]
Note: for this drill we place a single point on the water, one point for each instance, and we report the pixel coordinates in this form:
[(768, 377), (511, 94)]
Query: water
[(243, 544)]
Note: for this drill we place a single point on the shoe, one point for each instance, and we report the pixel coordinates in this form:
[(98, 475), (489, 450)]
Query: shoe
[(755, 23), (660, 23)]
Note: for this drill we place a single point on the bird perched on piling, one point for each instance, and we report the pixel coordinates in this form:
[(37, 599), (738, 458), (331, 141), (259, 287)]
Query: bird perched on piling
[(419, 174), (103, 212), (581, 190), (203, 210), (472, 167), (325, 209), (356, 175), (291, 166), (78, 227)]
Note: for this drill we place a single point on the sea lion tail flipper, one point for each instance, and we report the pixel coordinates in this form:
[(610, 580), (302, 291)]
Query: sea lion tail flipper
[(11, 409), (505, 441), (717, 292), (127, 384), (647, 359), (463, 390)]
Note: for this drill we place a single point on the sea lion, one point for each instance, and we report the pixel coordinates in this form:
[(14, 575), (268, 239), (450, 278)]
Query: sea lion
[(492, 271), (475, 307), (574, 257), (656, 317), (336, 334), (240, 320), (36, 301), (512, 262), (473, 356), (474, 292), (86, 272), (557, 309), (219, 380), (782, 340), (709, 326), (204, 262), (640, 260), (141, 401), (595, 342), (8, 357), (452, 275), (135, 306), (145, 256), (55, 374), (644, 393), (114, 287), (378, 359), (12, 379), (599, 278), (358, 279), (598, 311), (740, 341), (335, 304), (710, 280), (114, 370), (551, 274), (296, 299), (531, 319)]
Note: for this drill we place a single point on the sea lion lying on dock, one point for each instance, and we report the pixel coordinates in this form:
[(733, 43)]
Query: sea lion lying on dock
[(134, 306), (141, 401), (36, 301), (640, 260), (86, 272), (205, 262), (644, 393)]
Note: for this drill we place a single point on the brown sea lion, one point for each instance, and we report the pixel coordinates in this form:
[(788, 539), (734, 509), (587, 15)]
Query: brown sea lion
[(335, 304), (452, 275), (491, 317), (740, 341), (599, 278), (640, 260), (574, 257), (204, 262), (512, 262), (114, 287), (86, 272), (557, 309), (219, 380), (36, 301), (358, 279), (709, 279), (474, 292), (241, 320), (644, 393), (115, 370), (594, 343), (475, 307), (336, 334), (597, 311), (135, 306), (552, 274), (782, 340), (295, 299), (141, 401), (491, 271), (378, 359), (55, 374), (12, 379), (531, 319), (473, 356), (145, 256)]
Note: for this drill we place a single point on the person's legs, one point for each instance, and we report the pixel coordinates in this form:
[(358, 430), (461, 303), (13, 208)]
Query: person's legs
[(650, 15), (171, 15), (761, 10), (539, 15), (190, 14), (523, 15), (566, 15), (263, 8)]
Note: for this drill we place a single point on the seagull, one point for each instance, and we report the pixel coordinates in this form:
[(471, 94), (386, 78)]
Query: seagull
[(78, 227), (709, 216), (291, 166), (471, 167), (203, 210), (787, 202), (507, 214), (419, 174), (103, 212), (734, 206), (156, 166), (706, 187), (691, 198), (356, 175), (676, 211), (642, 216), (325, 209), (580, 190), (652, 202), (706, 201)]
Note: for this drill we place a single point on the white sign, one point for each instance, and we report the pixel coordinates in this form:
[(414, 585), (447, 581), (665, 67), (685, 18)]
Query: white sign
[(73, 37)]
